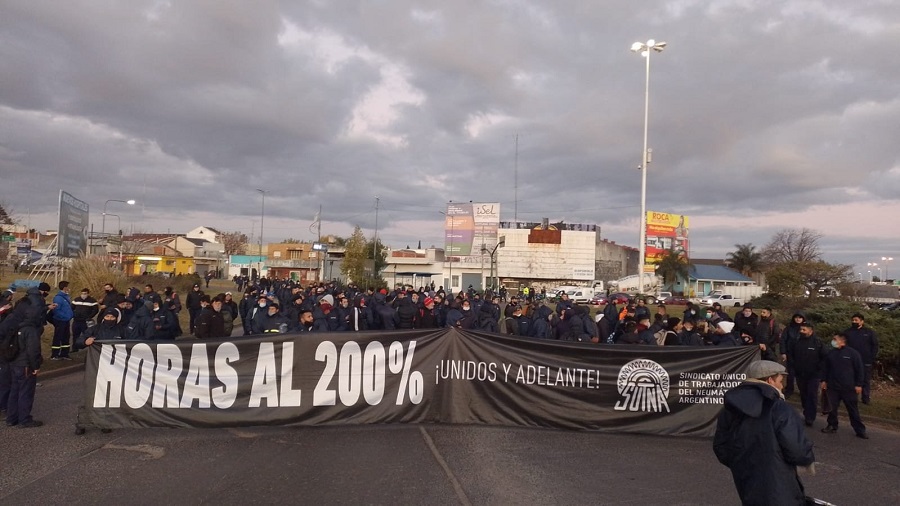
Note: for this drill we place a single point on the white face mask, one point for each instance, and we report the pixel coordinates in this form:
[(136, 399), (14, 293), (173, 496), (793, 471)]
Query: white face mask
[(262, 304)]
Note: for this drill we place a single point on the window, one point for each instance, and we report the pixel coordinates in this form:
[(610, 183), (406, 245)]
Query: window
[(276, 254), (295, 254)]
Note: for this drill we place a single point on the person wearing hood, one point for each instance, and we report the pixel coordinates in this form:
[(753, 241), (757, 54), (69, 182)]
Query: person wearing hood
[(152, 322), (108, 329), (273, 322), (62, 323), (760, 439), (24, 368), (256, 314), (689, 335), (790, 334), (540, 321), (485, 321), (325, 318), (406, 313)]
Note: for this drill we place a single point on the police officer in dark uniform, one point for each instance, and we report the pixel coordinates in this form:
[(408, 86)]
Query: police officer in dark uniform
[(806, 355), (842, 381), (25, 367)]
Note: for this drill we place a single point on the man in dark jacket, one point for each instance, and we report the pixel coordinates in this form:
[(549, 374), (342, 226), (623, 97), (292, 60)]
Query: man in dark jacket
[(540, 321), (745, 324), (109, 328), (84, 308), (193, 305), (765, 334), (273, 322), (485, 319), (863, 340), (406, 313), (26, 365), (788, 336), (759, 437), (211, 322), (806, 355), (843, 379)]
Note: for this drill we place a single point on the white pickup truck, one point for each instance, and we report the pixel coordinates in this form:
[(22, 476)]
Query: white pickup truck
[(724, 299)]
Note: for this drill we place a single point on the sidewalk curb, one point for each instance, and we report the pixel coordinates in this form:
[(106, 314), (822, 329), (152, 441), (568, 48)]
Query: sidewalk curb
[(62, 371)]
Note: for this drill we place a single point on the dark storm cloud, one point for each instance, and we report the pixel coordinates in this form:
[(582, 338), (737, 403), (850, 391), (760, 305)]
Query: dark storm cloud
[(756, 108)]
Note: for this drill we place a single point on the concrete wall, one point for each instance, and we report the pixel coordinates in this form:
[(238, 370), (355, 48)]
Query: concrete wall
[(572, 259)]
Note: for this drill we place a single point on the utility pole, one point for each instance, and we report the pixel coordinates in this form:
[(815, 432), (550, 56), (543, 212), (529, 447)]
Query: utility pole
[(375, 242)]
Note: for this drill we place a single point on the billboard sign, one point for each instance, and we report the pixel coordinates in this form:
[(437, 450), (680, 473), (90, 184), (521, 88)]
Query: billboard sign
[(73, 226), (665, 232), (468, 227)]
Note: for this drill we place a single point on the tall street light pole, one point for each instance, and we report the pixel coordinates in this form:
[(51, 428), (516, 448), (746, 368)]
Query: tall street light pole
[(645, 48), (448, 246), (886, 260), (103, 227), (262, 217)]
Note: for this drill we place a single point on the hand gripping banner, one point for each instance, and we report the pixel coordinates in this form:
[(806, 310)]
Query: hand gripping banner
[(439, 376)]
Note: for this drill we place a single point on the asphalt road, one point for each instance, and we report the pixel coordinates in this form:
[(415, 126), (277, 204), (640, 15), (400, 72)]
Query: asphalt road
[(429, 464)]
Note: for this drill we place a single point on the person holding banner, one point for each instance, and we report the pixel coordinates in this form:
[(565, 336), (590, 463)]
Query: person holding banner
[(760, 438)]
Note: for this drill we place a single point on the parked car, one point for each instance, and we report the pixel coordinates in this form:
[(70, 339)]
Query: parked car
[(724, 299), (675, 300)]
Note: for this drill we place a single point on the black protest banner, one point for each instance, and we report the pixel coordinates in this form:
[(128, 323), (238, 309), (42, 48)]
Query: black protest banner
[(440, 376)]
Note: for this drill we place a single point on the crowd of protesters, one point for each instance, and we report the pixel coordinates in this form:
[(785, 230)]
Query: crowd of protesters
[(271, 306)]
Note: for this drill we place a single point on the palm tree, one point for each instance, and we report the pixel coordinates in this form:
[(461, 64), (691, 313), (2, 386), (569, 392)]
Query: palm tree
[(672, 266), (745, 259)]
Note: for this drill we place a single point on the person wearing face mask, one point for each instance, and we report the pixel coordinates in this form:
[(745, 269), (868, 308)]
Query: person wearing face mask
[(745, 325), (863, 340), (62, 323), (23, 369), (806, 355), (109, 328), (842, 382), (110, 295), (760, 439), (257, 314), (274, 322)]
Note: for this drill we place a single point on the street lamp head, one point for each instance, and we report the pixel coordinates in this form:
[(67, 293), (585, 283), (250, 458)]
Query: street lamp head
[(659, 46), (130, 202), (887, 259), (637, 46)]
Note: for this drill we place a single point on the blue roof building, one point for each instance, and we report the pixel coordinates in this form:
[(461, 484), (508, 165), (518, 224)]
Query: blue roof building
[(703, 278)]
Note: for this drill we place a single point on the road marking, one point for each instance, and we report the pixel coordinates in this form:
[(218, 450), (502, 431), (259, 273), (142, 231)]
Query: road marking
[(460, 493)]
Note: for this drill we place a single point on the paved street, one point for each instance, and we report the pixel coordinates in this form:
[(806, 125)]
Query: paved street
[(397, 465)]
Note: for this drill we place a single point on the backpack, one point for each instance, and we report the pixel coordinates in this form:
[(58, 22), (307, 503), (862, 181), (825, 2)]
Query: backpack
[(9, 345)]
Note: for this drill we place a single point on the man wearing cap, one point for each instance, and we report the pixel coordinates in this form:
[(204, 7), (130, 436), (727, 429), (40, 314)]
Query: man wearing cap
[(759, 437), (25, 367), (806, 356), (193, 305)]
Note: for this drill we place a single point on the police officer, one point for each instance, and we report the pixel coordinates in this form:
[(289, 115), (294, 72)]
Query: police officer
[(26, 366), (843, 380), (84, 308), (863, 340)]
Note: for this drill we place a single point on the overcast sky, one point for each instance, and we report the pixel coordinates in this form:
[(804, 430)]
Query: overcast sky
[(763, 115)]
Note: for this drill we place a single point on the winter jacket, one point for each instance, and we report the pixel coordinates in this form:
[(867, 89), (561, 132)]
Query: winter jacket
[(210, 323), (762, 440), (406, 314), (806, 355), (485, 320), (85, 309), (864, 341), (101, 332), (843, 369), (540, 323)]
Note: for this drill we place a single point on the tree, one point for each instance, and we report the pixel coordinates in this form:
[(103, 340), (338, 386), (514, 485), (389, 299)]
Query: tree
[(793, 245), (672, 266), (380, 256), (235, 243), (745, 259), (355, 255)]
